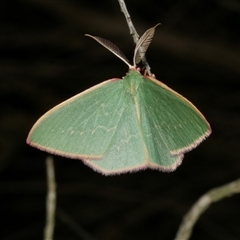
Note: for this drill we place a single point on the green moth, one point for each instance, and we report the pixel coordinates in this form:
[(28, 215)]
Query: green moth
[(123, 125)]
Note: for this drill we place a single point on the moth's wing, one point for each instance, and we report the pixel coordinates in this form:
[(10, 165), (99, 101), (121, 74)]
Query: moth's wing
[(127, 151), (171, 124), (82, 126), (98, 126)]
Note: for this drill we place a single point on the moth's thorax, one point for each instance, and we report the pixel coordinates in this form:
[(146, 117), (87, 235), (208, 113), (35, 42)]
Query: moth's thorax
[(133, 79)]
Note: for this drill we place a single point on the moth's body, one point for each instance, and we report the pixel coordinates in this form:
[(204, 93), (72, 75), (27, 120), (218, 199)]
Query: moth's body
[(133, 122)]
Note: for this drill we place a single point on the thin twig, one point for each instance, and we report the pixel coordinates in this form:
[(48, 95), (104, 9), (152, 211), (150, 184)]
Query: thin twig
[(133, 32), (214, 195), (132, 29), (51, 200)]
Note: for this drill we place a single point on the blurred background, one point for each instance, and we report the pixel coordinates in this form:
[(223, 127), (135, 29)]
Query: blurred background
[(45, 59)]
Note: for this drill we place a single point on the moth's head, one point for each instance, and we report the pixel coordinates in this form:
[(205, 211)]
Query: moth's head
[(139, 62)]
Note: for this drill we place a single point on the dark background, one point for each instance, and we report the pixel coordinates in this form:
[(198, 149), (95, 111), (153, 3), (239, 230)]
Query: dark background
[(45, 59)]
